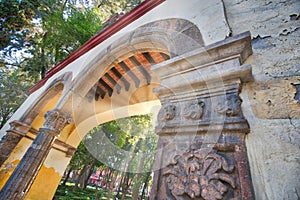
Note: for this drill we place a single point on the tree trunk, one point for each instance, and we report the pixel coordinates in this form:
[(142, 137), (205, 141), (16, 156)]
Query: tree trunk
[(145, 185), (79, 178), (124, 186), (107, 177), (136, 187), (67, 176), (91, 169), (110, 177), (120, 184)]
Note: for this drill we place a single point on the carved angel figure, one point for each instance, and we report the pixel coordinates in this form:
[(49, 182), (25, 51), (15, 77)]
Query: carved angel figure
[(199, 174)]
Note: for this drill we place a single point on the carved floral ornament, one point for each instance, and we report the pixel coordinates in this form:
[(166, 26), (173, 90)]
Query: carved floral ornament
[(192, 110), (199, 174), (56, 120), (167, 112), (231, 107)]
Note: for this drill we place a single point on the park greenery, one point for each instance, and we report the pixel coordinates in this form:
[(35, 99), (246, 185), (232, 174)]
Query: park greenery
[(116, 178), (35, 36)]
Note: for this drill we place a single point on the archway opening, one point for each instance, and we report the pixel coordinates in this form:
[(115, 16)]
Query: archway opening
[(114, 159)]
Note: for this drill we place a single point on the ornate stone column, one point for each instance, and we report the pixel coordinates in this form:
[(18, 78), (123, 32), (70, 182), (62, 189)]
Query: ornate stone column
[(13, 136), (202, 153), (23, 176)]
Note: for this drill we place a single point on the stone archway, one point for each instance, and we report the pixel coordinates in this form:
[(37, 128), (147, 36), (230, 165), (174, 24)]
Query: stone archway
[(198, 89), (148, 42)]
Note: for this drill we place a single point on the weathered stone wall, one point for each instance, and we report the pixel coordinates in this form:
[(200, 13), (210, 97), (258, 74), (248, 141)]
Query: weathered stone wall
[(270, 101)]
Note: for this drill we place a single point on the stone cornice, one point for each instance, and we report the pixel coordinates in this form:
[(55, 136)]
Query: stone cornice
[(199, 90), (214, 64)]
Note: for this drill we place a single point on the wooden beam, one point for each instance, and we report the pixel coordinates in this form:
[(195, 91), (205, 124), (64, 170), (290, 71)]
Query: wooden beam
[(130, 73), (149, 58), (165, 56), (107, 87), (99, 92), (141, 69), (115, 84), (122, 78)]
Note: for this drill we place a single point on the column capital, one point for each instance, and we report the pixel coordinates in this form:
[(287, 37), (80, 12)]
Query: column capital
[(56, 120)]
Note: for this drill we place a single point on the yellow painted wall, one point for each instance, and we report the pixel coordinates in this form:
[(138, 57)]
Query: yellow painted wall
[(44, 185), (6, 171)]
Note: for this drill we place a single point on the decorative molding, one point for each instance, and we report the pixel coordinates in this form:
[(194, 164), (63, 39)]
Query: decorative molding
[(193, 110), (199, 173), (205, 68), (18, 128), (231, 107), (58, 144), (56, 120), (167, 113)]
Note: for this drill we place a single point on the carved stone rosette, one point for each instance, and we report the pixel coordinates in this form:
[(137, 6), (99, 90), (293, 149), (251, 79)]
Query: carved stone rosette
[(231, 107), (193, 110), (167, 112)]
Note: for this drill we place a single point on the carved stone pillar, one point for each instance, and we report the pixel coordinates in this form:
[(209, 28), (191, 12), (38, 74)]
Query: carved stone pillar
[(23, 176), (202, 153), (13, 136)]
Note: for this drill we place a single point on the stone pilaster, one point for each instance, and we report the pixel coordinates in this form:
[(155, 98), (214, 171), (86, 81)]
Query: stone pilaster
[(201, 126), (13, 136), (23, 176)]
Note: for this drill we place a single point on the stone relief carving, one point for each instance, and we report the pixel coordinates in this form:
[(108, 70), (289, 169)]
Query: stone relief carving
[(56, 121), (193, 110), (199, 174), (167, 112), (231, 107)]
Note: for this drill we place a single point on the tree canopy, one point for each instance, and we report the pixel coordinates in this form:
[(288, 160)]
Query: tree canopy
[(37, 35)]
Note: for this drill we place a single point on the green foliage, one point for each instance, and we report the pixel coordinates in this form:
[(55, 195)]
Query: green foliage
[(13, 87), (60, 34), (132, 134), (66, 193), (107, 8), (15, 15)]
